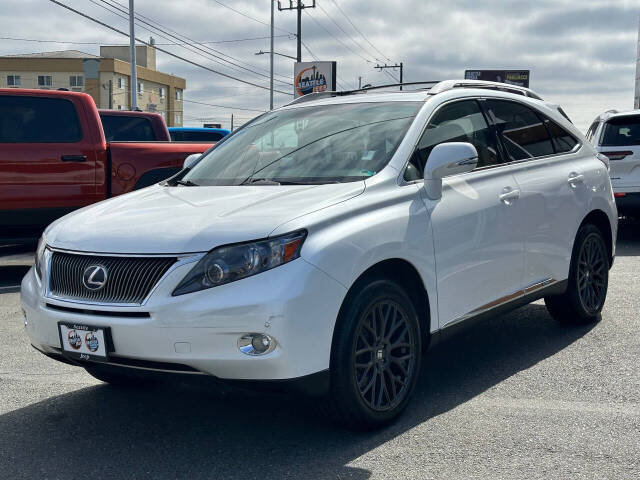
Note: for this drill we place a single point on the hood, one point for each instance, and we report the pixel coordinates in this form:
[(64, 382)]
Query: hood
[(183, 219)]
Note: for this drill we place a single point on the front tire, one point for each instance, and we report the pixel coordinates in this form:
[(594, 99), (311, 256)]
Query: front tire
[(588, 280), (375, 358)]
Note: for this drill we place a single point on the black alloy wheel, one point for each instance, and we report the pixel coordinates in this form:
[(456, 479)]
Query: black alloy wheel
[(384, 355)]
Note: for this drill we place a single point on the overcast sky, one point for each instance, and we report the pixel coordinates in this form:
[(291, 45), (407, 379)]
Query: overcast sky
[(581, 53)]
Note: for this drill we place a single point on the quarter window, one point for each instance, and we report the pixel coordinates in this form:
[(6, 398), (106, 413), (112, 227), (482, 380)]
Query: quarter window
[(563, 141), (592, 131), (456, 122), (38, 120), (522, 130)]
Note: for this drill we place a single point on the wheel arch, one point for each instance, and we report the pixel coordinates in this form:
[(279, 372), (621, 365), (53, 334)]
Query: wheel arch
[(601, 221), (407, 276)]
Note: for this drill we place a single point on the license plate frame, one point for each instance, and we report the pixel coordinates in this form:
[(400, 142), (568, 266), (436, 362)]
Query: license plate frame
[(87, 335)]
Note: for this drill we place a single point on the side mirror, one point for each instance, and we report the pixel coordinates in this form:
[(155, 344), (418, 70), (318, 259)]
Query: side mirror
[(447, 159), (191, 160)]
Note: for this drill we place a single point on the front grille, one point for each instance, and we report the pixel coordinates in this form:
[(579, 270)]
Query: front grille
[(129, 279)]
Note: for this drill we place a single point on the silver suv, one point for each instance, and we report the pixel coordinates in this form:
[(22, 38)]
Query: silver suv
[(617, 135)]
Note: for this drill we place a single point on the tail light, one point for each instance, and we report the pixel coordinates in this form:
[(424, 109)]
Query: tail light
[(619, 194), (617, 155), (604, 159)]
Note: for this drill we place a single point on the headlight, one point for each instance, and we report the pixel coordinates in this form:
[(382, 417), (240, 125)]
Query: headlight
[(234, 262), (39, 260)]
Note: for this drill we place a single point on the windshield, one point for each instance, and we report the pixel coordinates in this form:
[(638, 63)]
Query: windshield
[(322, 144), (622, 131)]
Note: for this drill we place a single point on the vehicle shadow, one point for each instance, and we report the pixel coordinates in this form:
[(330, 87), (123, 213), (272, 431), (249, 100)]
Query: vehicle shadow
[(628, 241), (180, 432)]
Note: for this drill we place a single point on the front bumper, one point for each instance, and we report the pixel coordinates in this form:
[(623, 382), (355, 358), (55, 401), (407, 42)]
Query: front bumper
[(296, 304)]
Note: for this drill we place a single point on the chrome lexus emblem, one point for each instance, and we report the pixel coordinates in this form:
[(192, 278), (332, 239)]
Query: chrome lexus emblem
[(94, 277)]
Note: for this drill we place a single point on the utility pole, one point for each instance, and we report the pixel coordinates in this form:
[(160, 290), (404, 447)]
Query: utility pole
[(299, 6), (359, 83), (232, 122), (133, 88), (400, 66), (110, 94), (271, 61)]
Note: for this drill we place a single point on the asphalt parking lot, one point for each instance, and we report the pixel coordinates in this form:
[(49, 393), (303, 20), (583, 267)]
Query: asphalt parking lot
[(516, 397)]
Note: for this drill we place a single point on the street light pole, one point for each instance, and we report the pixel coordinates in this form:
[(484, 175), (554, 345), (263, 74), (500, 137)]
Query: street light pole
[(133, 88), (271, 61)]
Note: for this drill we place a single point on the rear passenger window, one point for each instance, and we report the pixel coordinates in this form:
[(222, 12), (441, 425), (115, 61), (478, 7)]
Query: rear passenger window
[(592, 131), (38, 120), (456, 122), (126, 128), (563, 141), (523, 132)]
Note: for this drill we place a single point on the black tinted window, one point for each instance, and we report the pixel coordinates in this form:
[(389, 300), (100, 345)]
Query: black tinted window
[(563, 141), (124, 128), (38, 120), (196, 136), (592, 130), (622, 131), (523, 132), (457, 122)]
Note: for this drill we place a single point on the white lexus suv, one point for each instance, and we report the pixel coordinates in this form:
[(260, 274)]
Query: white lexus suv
[(327, 243), (617, 136)]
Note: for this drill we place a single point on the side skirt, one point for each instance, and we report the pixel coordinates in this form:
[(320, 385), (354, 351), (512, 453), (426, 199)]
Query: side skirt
[(526, 296)]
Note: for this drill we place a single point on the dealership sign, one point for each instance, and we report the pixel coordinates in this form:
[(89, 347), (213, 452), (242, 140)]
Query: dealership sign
[(311, 77), (513, 77)]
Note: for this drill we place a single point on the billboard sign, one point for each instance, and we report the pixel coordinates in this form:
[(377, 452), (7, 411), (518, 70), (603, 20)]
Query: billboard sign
[(513, 77), (311, 77)]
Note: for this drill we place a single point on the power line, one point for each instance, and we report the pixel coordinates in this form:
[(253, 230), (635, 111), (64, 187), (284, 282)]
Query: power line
[(156, 30), (233, 40), (252, 18), (343, 31), (358, 30), (95, 20), (168, 30), (336, 38), (223, 106)]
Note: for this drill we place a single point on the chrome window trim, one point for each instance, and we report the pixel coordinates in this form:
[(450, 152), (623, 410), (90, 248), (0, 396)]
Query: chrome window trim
[(574, 150), (181, 259)]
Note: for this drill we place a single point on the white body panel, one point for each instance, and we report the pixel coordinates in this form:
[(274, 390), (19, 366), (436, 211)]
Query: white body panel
[(469, 248)]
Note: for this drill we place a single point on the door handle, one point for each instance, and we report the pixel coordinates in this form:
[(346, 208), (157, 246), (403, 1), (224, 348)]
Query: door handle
[(73, 158), (508, 195), (574, 179)]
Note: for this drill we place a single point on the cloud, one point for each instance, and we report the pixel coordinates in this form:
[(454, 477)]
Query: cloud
[(581, 53)]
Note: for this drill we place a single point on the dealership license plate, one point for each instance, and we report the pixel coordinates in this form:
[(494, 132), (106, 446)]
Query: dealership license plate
[(83, 342)]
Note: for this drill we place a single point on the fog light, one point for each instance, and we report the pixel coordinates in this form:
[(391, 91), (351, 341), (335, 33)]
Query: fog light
[(256, 344)]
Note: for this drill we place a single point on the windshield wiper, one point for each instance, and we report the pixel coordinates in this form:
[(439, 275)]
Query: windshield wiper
[(186, 183)]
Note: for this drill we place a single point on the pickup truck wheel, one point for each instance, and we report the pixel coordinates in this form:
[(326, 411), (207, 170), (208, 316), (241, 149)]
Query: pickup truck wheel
[(375, 357), (588, 280)]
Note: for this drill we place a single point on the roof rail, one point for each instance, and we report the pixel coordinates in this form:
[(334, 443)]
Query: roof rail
[(504, 87), (309, 97)]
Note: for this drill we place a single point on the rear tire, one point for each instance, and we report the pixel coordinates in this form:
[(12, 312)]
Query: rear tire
[(375, 357), (588, 280)]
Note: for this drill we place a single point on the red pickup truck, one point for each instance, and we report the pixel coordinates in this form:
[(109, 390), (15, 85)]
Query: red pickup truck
[(134, 126), (54, 158)]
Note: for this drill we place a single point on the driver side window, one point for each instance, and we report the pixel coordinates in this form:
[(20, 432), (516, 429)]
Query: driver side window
[(456, 122)]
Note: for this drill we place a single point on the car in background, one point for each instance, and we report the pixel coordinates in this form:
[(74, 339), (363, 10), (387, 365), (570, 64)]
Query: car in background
[(133, 126), (197, 134), (325, 243), (54, 158), (617, 135)]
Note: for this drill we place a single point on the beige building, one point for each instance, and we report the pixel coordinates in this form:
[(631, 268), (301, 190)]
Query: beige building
[(106, 78)]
